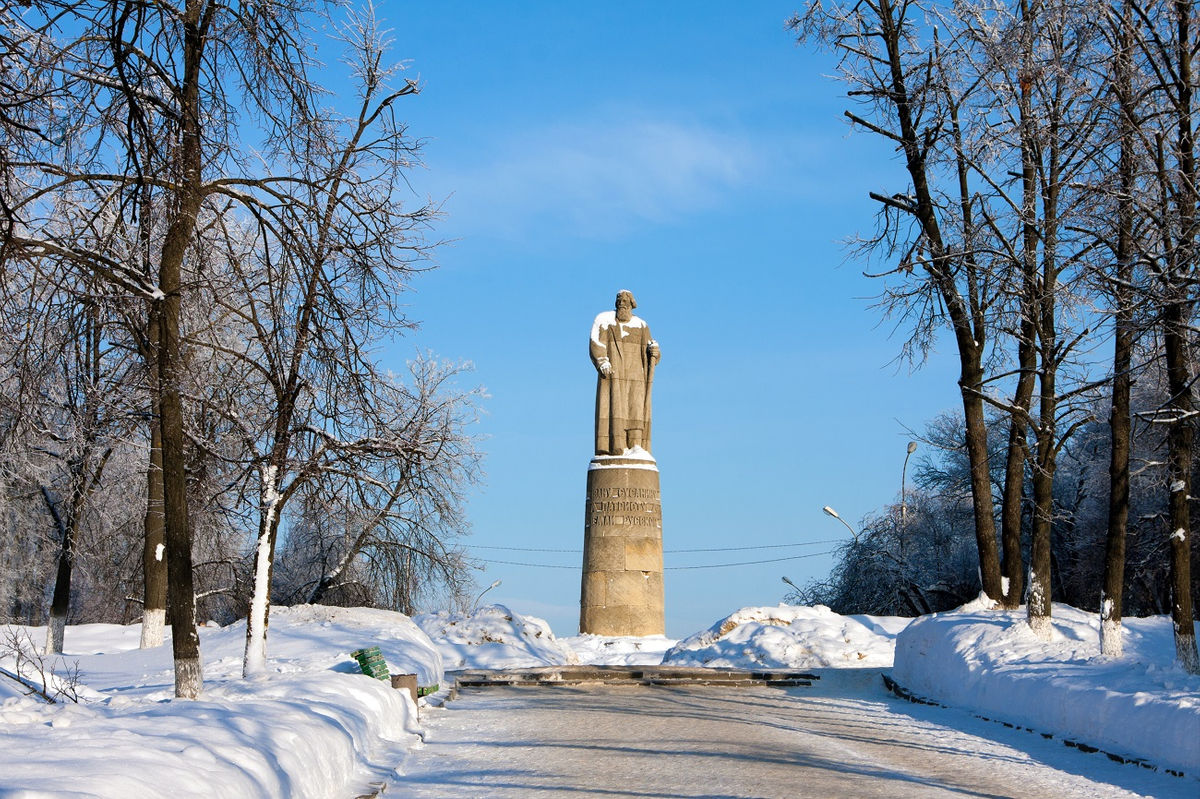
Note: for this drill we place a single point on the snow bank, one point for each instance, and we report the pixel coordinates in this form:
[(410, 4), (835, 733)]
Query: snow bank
[(1140, 705), (789, 637), (311, 726), (494, 637), (287, 736), (615, 650)]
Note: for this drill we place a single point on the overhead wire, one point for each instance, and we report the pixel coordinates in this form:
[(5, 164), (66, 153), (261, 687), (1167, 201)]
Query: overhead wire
[(667, 568), (668, 551)]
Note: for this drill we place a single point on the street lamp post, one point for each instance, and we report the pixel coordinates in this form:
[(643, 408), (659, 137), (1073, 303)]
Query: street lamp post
[(912, 447), (831, 512), (475, 606)]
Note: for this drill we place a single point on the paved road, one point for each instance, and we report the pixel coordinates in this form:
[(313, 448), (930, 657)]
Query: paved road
[(844, 737)]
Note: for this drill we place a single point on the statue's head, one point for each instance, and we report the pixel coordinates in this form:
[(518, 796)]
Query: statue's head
[(625, 305)]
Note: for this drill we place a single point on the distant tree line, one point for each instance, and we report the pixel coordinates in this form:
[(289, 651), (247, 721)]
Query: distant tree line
[(921, 558), (1042, 219), (200, 256)]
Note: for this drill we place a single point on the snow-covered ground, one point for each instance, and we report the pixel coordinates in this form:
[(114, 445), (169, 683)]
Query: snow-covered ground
[(313, 725), (1139, 705), (790, 637)]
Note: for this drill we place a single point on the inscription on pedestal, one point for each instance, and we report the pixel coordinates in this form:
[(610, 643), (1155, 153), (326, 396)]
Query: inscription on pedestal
[(622, 591), (628, 507)]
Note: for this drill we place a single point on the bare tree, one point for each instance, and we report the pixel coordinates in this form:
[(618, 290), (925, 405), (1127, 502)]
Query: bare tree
[(1168, 43), (1120, 287), (167, 88), (894, 75), (313, 291)]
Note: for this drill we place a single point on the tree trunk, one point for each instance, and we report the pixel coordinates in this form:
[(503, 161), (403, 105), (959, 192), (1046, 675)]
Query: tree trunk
[(1176, 329), (60, 603), (968, 337), (1012, 561), (185, 640), (1179, 459), (154, 564), (1038, 608), (1113, 589), (255, 659), (981, 480)]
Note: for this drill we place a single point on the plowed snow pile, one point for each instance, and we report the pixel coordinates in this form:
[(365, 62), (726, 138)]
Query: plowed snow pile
[(494, 637), (790, 637)]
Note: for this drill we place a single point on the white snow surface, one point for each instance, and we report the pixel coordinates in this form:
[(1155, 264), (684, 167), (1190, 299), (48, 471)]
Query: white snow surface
[(790, 637), (606, 650), (494, 637), (312, 725), (1140, 704), (497, 637)]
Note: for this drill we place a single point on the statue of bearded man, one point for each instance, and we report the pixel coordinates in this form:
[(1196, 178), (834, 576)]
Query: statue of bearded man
[(624, 355)]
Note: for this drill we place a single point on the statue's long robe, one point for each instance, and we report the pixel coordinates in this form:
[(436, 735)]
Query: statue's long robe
[(623, 398)]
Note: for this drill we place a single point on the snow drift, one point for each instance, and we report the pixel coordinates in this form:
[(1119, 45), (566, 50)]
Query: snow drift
[(312, 726), (494, 637), (989, 661), (789, 637)]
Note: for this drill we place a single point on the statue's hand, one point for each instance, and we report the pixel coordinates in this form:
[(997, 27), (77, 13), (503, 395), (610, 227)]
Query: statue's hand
[(653, 351), (605, 369)]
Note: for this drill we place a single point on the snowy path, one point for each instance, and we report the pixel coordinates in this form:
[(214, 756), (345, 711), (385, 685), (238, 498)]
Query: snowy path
[(844, 737)]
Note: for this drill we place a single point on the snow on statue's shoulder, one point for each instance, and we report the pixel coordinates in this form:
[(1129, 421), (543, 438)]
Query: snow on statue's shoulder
[(606, 319)]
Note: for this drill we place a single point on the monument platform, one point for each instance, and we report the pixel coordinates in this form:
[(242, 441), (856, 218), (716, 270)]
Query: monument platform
[(622, 592)]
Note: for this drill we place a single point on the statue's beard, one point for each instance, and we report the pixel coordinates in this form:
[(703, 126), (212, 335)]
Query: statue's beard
[(624, 314)]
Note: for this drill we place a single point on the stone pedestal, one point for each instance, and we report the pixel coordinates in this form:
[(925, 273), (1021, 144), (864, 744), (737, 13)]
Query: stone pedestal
[(622, 591)]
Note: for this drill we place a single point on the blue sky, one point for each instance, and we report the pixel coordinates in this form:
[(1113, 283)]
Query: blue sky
[(695, 155)]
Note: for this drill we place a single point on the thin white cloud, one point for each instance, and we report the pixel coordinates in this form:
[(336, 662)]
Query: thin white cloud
[(600, 178)]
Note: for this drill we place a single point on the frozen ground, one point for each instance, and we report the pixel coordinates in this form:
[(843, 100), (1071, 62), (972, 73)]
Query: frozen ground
[(842, 737), (314, 726)]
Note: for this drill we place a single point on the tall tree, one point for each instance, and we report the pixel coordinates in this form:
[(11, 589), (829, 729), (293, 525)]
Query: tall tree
[(208, 73), (314, 290), (1169, 44), (1120, 288), (894, 76)]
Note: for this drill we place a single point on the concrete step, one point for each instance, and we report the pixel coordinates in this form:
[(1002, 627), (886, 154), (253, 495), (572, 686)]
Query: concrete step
[(629, 675)]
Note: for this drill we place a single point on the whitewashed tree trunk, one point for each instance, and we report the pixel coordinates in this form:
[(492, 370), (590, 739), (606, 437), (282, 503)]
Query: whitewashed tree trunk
[(55, 630), (255, 660), (1039, 622), (154, 623)]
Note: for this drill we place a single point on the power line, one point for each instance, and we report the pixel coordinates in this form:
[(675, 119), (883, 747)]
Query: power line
[(760, 546), (667, 551), (536, 565), (525, 549), (668, 568), (749, 562)]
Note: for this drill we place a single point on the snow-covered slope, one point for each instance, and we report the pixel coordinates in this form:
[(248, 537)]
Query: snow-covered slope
[(494, 637), (313, 726), (789, 637), (989, 661)]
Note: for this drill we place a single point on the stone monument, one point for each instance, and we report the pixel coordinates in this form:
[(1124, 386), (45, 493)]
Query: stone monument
[(622, 592)]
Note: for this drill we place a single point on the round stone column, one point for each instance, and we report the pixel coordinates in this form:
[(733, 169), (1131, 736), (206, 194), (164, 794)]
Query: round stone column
[(622, 591)]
